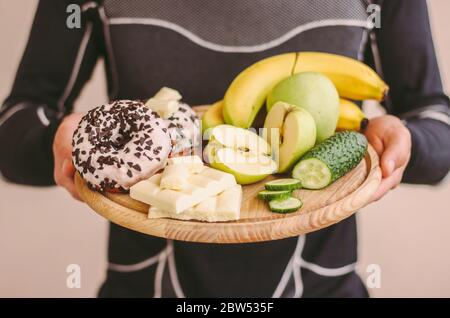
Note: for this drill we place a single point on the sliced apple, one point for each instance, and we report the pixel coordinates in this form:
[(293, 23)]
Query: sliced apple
[(291, 131), (246, 167), (239, 138), (240, 152)]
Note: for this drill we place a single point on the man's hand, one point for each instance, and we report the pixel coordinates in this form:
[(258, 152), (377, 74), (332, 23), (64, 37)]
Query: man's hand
[(392, 141), (64, 170)]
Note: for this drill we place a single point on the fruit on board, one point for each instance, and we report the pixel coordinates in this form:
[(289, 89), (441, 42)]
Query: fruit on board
[(248, 91), (330, 160), (246, 167), (240, 152), (213, 116), (351, 117), (291, 131), (313, 92), (352, 78)]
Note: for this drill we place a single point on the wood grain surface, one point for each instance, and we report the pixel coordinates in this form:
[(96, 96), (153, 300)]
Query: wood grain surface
[(321, 208)]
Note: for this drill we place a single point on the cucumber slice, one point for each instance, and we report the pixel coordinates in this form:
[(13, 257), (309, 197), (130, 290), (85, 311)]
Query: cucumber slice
[(285, 205), (283, 184), (313, 173), (271, 195)]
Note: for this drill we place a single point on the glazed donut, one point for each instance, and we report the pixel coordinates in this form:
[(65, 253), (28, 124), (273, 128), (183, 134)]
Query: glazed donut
[(118, 144), (184, 131)]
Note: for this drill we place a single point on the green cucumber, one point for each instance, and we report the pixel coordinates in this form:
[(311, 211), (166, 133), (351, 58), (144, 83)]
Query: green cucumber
[(285, 205), (283, 184), (270, 195), (330, 160)]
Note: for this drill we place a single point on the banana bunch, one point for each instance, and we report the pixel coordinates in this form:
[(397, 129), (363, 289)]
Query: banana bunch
[(248, 91)]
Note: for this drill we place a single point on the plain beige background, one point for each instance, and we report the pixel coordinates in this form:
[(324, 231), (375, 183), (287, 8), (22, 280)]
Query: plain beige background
[(42, 230)]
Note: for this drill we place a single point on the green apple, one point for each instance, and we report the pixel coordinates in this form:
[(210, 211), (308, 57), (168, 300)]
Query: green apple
[(239, 138), (315, 93), (292, 131), (240, 152)]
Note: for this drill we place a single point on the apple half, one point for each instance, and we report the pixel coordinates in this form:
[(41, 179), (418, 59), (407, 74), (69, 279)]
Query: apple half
[(240, 152), (291, 131)]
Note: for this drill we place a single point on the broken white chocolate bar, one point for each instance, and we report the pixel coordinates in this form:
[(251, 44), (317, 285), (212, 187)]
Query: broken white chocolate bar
[(164, 108), (209, 182), (193, 163), (225, 206), (174, 177)]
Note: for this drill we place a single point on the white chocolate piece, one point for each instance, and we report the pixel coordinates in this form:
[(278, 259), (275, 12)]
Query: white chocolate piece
[(167, 93), (164, 108), (174, 177), (193, 163), (225, 206), (208, 183)]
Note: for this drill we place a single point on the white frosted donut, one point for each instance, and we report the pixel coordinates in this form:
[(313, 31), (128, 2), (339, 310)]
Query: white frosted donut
[(184, 130), (118, 144)]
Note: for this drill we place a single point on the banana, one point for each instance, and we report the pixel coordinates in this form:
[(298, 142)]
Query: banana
[(248, 91), (352, 78), (351, 117), (213, 116)]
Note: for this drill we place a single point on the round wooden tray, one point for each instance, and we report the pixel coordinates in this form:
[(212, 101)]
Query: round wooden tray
[(321, 208)]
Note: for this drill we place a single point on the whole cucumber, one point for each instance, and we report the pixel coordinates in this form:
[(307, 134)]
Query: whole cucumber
[(331, 159)]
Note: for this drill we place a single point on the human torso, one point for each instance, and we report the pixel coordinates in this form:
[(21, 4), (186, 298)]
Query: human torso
[(198, 47)]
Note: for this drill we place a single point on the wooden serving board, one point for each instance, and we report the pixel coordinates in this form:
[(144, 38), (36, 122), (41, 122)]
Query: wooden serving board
[(321, 208)]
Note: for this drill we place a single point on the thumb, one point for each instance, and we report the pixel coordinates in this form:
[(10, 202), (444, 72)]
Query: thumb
[(387, 166), (68, 168)]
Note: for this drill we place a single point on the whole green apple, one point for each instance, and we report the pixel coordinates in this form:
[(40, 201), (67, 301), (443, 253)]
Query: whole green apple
[(315, 93)]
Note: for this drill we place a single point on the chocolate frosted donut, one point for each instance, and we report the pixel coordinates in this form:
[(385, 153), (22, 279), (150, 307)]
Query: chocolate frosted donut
[(119, 144), (184, 130)]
